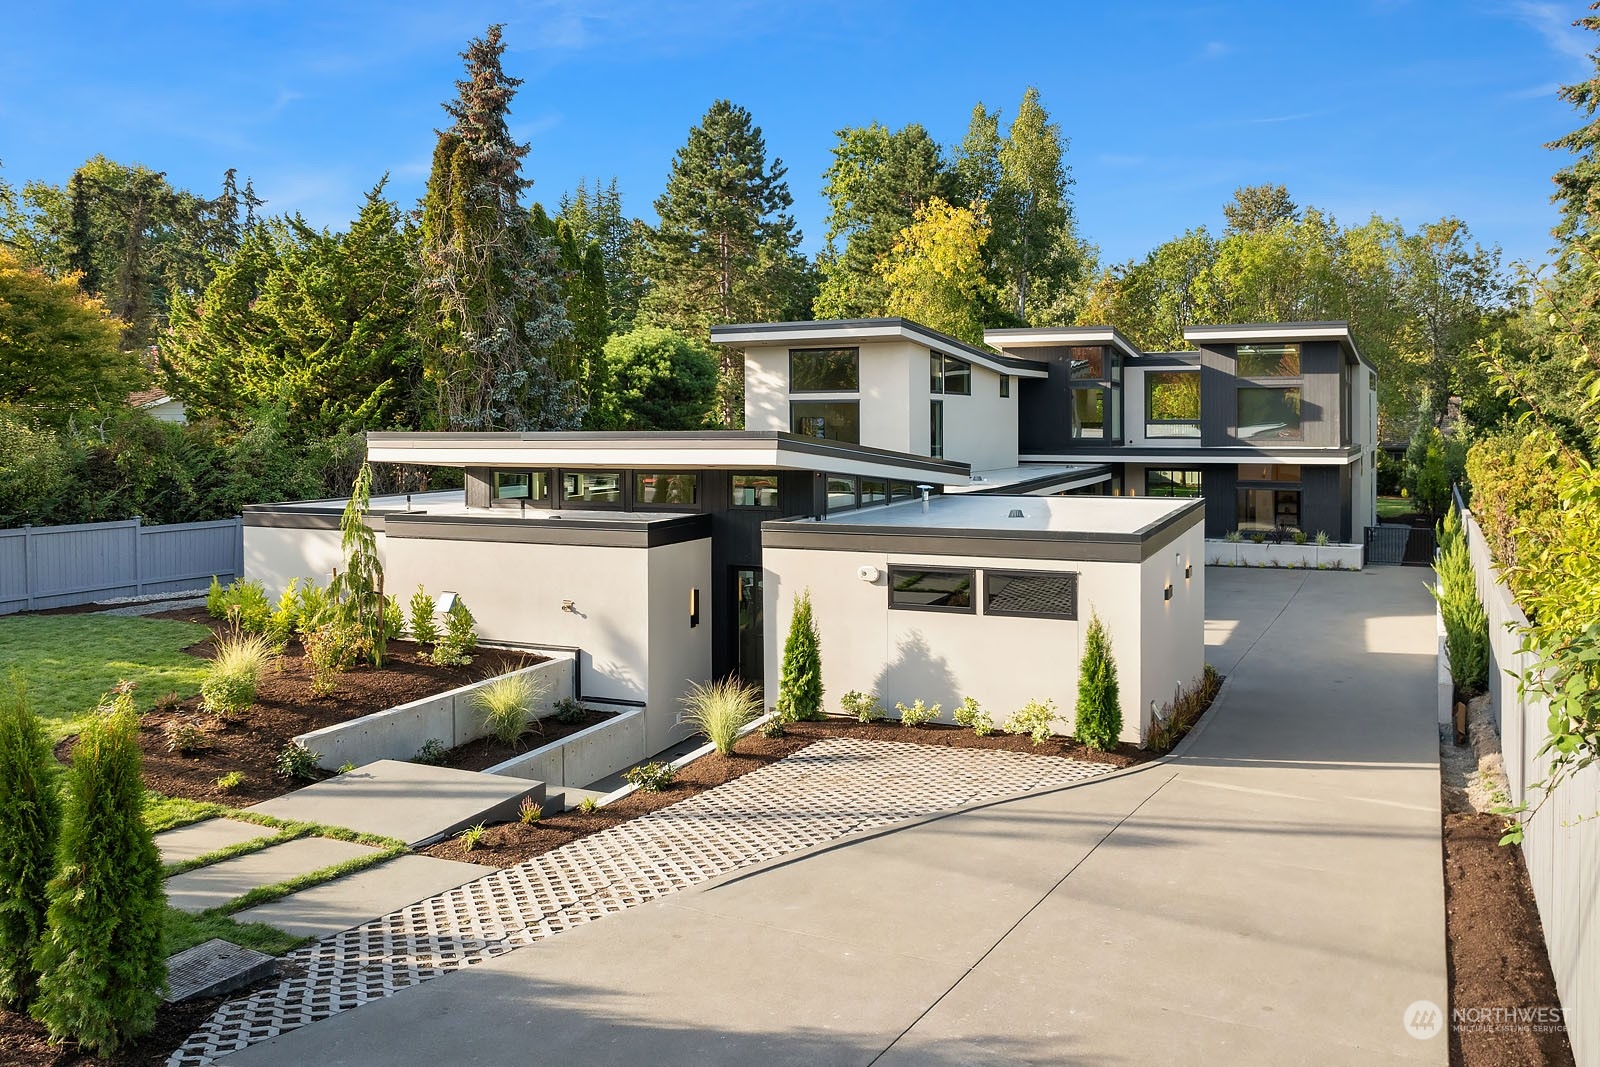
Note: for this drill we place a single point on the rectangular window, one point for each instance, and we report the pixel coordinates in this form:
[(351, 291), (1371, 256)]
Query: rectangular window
[(1034, 594), (602, 488), (1264, 509), (930, 589), (1089, 412), (832, 420), (874, 492), (655, 489), (1088, 363), (1269, 414), (936, 373), (1005, 385), (901, 491), (1268, 361), (755, 490), (521, 485), (936, 429), (1177, 482), (1269, 472), (841, 493), (824, 370), (957, 377), (1172, 403)]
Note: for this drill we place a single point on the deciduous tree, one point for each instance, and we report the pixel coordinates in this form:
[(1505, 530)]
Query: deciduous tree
[(934, 273)]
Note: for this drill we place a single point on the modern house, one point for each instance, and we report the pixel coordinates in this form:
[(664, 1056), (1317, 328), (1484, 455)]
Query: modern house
[(953, 512)]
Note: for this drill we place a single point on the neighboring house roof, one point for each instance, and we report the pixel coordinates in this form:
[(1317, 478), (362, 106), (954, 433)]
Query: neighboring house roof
[(148, 398), (851, 331), (1246, 332)]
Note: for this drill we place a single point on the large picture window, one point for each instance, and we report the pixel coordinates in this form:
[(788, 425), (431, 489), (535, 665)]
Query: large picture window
[(656, 489), (758, 489), (832, 420), (931, 589), (1266, 509), (1269, 414), (1089, 363), (1174, 482), (516, 486), (1172, 403), (1034, 594), (595, 488), (1268, 361), (824, 370), (841, 493), (950, 376)]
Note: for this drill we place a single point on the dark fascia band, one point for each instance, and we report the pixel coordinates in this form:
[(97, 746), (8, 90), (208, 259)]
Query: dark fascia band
[(1135, 547), (1086, 475), (547, 531), (306, 518)]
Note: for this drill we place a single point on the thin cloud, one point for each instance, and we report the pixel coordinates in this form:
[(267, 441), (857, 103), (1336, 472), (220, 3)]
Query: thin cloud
[(1553, 22)]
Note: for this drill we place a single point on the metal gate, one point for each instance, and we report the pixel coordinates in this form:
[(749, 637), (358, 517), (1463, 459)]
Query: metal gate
[(1395, 543)]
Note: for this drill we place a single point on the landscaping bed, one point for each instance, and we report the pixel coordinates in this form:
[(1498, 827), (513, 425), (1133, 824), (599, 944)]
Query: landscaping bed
[(486, 752)]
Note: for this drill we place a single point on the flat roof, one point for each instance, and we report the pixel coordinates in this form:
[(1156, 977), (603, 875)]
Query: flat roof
[(661, 450), (1246, 332), (1052, 514), (852, 331), (1030, 477), (1056, 336)]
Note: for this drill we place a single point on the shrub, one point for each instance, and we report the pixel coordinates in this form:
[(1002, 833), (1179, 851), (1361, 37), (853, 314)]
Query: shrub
[(230, 781), (507, 704), (1169, 725), (432, 752), (216, 600), (863, 707), (298, 761), (285, 618), (1098, 720), (1258, 538), (243, 603), (331, 649), (772, 726), (424, 626), (568, 711), (472, 836), (800, 687), (1036, 718), (1299, 536), (1322, 538), (652, 777), (102, 970), (720, 709), (359, 588), (1233, 537), (971, 715), (588, 805), (530, 811), (315, 609), (229, 686), (394, 620), (917, 714), (1466, 626), (346, 767), (186, 736), (30, 819), (460, 637)]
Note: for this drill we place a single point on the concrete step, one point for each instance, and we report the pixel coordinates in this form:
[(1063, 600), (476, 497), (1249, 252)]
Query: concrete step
[(354, 899), (195, 840), (208, 887)]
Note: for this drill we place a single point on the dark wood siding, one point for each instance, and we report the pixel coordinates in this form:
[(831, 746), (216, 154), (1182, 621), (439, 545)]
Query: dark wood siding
[(1321, 505), (1218, 403), (1044, 405), (1218, 484), (1319, 393), (479, 484)]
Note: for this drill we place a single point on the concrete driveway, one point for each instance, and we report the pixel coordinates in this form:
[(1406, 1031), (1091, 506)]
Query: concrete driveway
[(1272, 897)]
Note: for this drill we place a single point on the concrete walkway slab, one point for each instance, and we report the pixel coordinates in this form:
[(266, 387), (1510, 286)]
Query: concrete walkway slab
[(410, 801), (352, 900), (207, 887), (197, 839)]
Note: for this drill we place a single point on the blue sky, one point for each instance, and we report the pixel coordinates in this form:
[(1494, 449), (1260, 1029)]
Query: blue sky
[(1410, 110)]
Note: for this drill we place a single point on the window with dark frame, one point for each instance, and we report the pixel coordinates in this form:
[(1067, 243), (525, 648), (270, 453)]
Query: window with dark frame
[(841, 493), (873, 492), (949, 376), (1031, 594), (1172, 403), (831, 420), (665, 489), (1005, 385), (1180, 482), (824, 370), (517, 486), (1269, 413), (591, 488), (932, 589), (936, 429), (757, 489), (1267, 361)]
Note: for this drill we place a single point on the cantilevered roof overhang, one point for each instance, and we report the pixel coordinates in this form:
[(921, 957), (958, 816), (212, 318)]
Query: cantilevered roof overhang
[(1026, 337), (856, 331), (1278, 332), (661, 450)]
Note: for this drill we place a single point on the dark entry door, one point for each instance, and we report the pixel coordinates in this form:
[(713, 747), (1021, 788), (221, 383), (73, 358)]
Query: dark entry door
[(750, 616)]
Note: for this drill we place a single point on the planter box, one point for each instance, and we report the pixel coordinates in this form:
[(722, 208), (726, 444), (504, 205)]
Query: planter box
[(1222, 553), (584, 757), (398, 732), (1250, 554)]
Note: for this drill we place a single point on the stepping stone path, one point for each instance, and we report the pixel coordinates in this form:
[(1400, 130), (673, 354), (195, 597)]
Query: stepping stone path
[(195, 840), (349, 901), (208, 887), (823, 792)]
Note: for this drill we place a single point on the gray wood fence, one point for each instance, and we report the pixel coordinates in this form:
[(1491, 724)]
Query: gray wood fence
[(58, 566)]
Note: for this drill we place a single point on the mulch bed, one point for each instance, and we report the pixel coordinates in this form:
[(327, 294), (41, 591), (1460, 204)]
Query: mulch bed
[(485, 752), (26, 1042), (1496, 947), (512, 843), (285, 707)]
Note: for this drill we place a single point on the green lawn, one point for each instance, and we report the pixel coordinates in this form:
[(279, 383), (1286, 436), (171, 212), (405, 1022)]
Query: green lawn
[(183, 930), (69, 661), (1396, 507)]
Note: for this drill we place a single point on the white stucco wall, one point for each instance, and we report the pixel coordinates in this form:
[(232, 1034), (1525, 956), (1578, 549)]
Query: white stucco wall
[(678, 653), (766, 388), (1002, 661), (981, 429), (272, 556)]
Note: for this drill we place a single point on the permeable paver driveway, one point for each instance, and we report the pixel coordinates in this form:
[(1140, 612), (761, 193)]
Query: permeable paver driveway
[(819, 794)]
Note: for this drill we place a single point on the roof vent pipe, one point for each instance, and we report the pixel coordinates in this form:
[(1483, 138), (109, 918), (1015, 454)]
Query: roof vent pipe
[(925, 490)]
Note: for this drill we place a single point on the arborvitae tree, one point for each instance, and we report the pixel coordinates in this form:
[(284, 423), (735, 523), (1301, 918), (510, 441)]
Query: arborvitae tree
[(1098, 720), (30, 818), (655, 379), (359, 586), (725, 250), (800, 688), (491, 307), (102, 970)]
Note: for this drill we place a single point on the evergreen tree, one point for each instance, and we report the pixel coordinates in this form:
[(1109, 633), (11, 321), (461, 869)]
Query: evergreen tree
[(359, 587), (583, 290), (30, 818), (1098, 721), (800, 690), (102, 970), (598, 217), (491, 309), (655, 379), (725, 250)]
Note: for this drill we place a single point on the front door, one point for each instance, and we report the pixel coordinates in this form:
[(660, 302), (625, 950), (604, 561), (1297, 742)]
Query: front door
[(749, 610)]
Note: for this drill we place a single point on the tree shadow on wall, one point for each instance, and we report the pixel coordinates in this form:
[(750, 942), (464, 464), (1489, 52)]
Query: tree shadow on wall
[(917, 672)]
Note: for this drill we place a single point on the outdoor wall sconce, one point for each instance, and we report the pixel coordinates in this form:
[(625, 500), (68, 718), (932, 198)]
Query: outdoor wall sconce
[(1168, 594), (694, 608), (567, 605), (1188, 572), (446, 603)]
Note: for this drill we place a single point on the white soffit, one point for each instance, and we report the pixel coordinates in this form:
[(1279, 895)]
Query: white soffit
[(773, 335)]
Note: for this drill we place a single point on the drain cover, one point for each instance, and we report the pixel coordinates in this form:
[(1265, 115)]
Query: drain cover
[(213, 968)]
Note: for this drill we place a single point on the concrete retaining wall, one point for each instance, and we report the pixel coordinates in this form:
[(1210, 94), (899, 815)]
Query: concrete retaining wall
[(399, 732), (584, 757), (1249, 554)]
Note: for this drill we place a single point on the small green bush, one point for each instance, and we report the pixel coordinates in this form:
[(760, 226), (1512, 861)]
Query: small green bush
[(1466, 625), (507, 705), (345, 768), (285, 620), (394, 620), (216, 600), (568, 711), (231, 678), (1233, 537), (1098, 719), (243, 603), (800, 687), (230, 781), (186, 736), (588, 805), (432, 753), (316, 608), (30, 820), (918, 713), (652, 777), (298, 761), (720, 709), (1036, 719), (460, 637), (1299, 536), (1258, 538), (331, 649), (102, 970), (863, 707), (1322, 538), (530, 811), (424, 626), (472, 836), (971, 715)]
